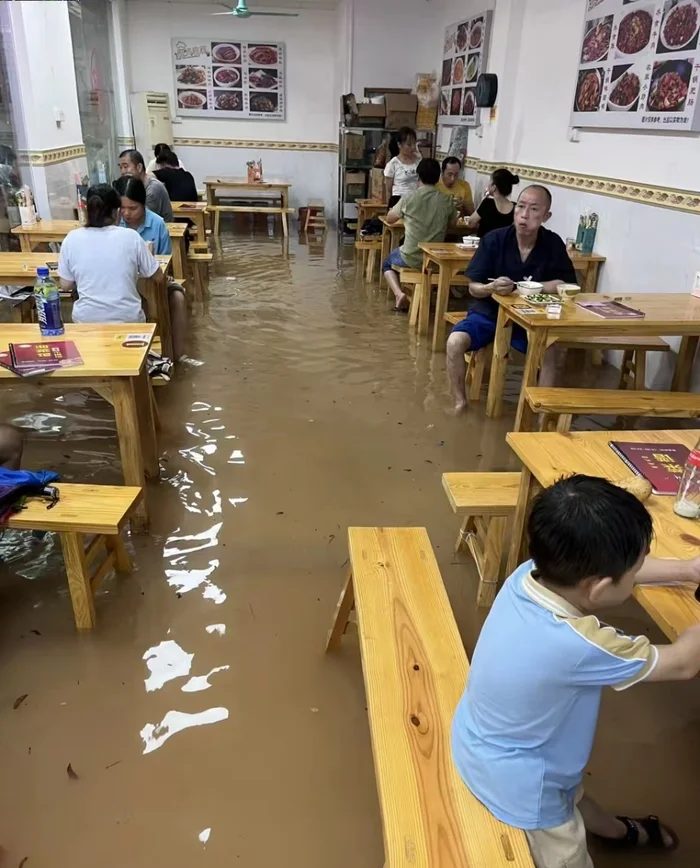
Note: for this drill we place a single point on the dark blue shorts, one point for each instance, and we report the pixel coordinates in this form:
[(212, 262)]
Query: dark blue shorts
[(394, 258), (482, 330)]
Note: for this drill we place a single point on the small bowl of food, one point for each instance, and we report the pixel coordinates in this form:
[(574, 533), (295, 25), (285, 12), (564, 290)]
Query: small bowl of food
[(567, 291), (529, 287)]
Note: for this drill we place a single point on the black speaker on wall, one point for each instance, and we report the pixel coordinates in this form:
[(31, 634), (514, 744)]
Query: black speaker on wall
[(486, 90)]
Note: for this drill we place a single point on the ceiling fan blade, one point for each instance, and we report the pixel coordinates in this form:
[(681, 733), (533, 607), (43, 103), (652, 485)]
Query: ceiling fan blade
[(222, 13), (278, 14)]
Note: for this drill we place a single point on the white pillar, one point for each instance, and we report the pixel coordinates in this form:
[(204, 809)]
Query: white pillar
[(45, 102)]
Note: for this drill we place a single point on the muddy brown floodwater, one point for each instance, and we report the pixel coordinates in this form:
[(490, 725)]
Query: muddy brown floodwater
[(203, 723)]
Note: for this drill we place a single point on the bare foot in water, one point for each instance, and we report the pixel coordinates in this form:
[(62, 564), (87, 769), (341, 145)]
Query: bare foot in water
[(403, 302)]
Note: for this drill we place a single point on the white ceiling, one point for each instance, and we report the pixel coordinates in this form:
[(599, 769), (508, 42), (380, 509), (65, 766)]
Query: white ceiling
[(272, 4)]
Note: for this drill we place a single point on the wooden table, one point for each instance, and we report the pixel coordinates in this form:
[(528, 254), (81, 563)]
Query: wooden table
[(274, 189), (46, 231), (195, 212), (450, 258), (19, 269), (366, 209), (106, 364), (665, 314), (548, 457)]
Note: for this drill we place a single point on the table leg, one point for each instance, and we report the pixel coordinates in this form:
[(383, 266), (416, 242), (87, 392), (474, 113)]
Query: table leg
[(143, 393), (209, 193), (425, 295), (25, 245), (499, 365), (179, 259), (517, 537), (684, 364), (198, 218), (536, 346), (591, 284), (285, 229), (360, 221), (443, 296), (130, 445)]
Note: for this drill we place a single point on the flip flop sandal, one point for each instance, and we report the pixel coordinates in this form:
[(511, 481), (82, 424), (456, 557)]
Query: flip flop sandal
[(651, 825), (399, 310)]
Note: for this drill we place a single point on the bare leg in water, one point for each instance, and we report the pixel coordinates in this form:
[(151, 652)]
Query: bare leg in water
[(458, 344), (402, 301), (178, 318), (11, 447)]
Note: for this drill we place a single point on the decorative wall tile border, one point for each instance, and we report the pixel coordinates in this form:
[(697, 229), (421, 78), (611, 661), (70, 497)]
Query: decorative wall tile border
[(52, 156), (324, 147), (632, 191), (126, 141)]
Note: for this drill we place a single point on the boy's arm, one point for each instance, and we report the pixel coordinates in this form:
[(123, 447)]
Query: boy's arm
[(680, 661), (659, 571)]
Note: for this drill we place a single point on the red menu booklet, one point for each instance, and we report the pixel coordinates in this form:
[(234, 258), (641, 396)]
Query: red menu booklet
[(28, 359), (660, 463)]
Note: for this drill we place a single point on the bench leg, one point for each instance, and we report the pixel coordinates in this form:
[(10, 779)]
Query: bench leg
[(493, 557), (464, 531), (414, 309), (564, 423), (346, 603), (217, 222), (78, 580), (626, 369), (640, 369), (371, 259), (285, 228), (477, 366), (122, 561)]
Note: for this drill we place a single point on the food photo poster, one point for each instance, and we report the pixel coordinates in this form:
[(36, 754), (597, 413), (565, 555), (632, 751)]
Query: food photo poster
[(233, 79), (463, 60), (638, 65)]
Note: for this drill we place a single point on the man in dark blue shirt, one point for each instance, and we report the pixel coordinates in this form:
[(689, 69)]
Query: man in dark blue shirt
[(523, 251)]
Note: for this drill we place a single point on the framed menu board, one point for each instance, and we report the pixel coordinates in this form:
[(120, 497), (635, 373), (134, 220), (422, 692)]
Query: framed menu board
[(464, 58), (639, 65), (236, 79)]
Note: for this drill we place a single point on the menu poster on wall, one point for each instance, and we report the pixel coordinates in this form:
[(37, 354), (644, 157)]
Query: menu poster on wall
[(464, 58), (216, 79), (638, 65)]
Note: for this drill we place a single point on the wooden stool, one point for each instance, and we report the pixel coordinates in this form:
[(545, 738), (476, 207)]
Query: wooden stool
[(369, 249), (487, 501), (315, 215), (83, 510)]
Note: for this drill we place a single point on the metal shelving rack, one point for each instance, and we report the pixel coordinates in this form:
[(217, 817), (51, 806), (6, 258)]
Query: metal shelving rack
[(373, 136)]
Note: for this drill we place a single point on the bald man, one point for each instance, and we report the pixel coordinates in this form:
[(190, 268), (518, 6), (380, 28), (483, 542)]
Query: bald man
[(525, 250)]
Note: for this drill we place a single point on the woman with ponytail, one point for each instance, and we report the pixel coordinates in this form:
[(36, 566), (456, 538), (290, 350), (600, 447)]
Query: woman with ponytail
[(496, 210), (103, 262)]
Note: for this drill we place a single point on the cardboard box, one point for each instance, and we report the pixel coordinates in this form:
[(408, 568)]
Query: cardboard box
[(370, 114), (355, 178), (354, 147), (376, 184), (401, 110)]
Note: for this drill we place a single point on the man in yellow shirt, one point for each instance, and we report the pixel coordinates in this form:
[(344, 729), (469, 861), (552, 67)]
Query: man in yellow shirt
[(451, 184)]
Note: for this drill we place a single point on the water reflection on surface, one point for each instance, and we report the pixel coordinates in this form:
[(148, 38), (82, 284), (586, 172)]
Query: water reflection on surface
[(315, 410)]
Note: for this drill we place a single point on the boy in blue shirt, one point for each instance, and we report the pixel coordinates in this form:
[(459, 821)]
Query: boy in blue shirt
[(523, 730)]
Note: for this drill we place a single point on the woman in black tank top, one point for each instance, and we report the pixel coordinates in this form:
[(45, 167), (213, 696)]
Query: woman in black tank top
[(496, 210)]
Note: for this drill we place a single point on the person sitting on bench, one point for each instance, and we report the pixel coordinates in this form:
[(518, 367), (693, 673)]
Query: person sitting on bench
[(427, 214), (524, 251), (523, 731)]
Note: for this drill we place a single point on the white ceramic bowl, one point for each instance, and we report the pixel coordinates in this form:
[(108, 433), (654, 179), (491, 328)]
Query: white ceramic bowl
[(567, 291)]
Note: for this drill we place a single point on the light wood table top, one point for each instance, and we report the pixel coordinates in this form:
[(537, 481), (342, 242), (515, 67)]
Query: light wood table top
[(99, 345), (550, 456), (47, 227), (225, 181), (678, 313), (21, 267), (443, 252), (185, 208)]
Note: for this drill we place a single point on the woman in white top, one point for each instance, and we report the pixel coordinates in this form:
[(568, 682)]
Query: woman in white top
[(401, 172), (159, 152), (103, 262)]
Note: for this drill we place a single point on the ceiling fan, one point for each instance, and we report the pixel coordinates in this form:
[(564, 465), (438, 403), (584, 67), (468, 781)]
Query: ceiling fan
[(242, 11)]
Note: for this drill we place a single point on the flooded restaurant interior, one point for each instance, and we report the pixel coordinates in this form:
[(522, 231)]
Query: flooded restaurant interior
[(319, 366)]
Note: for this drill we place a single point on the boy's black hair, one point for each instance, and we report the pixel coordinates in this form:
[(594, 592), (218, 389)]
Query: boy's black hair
[(428, 171), (583, 527)]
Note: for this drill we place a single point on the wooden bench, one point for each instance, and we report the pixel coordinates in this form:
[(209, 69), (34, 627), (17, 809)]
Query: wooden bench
[(486, 501), (199, 268), (250, 209), (415, 669), (559, 406), (82, 510), (369, 248)]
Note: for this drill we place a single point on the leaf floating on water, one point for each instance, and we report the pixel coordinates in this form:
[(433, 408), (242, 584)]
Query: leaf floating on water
[(71, 774), (23, 861), (36, 633), (20, 699)]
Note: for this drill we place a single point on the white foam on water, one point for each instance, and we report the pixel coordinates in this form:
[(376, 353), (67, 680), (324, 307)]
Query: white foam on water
[(154, 735), (165, 662), (201, 682), (217, 628)]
